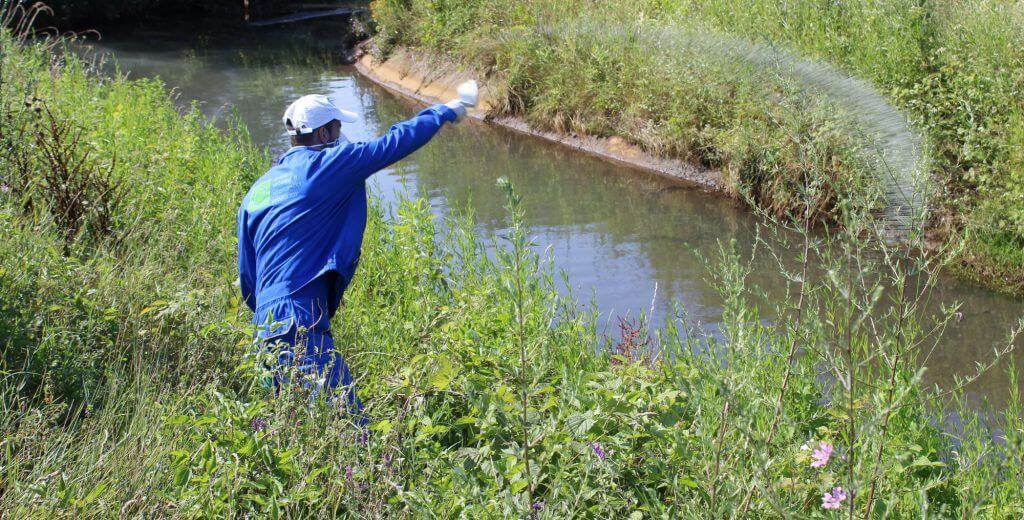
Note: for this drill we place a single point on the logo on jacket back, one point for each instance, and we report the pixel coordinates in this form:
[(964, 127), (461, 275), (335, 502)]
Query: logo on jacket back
[(270, 191), (260, 197)]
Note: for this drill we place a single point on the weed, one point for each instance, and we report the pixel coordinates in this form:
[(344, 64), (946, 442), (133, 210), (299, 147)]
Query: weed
[(81, 194), (131, 386)]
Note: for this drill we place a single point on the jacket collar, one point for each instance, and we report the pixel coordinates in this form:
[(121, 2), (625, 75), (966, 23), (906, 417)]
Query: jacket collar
[(315, 148)]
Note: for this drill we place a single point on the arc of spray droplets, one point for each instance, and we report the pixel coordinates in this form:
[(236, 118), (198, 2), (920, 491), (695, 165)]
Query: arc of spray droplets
[(900, 162)]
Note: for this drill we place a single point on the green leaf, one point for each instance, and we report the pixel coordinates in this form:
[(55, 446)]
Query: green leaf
[(923, 461), (152, 307), (182, 476), (315, 473), (248, 448), (94, 494), (383, 427), (468, 419), (581, 423), (442, 377), (519, 485)]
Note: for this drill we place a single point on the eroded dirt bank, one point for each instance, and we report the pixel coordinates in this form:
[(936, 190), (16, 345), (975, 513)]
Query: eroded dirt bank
[(430, 79)]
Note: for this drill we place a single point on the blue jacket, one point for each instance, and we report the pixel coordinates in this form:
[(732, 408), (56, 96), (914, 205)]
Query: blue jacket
[(306, 216)]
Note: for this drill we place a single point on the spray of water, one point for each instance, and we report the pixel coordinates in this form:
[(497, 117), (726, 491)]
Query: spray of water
[(893, 148)]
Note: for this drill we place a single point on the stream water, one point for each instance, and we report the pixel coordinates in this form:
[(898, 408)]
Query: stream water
[(626, 239)]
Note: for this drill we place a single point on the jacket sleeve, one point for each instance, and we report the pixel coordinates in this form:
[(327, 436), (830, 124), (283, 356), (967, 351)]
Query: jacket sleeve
[(358, 161), (246, 261)]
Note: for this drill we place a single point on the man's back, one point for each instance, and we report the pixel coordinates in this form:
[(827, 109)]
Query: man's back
[(302, 220), (300, 230), (306, 216)]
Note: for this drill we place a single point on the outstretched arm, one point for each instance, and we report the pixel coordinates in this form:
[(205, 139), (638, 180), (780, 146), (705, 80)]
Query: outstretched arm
[(358, 161)]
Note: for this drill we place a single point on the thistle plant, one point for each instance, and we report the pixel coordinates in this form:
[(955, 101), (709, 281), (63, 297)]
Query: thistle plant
[(518, 259)]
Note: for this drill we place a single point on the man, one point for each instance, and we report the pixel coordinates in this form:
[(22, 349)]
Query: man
[(300, 230)]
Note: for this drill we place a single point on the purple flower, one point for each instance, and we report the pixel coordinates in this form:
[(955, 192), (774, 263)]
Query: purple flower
[(834, 499), (258, 424), (598, 450), (4, 188), (537, 506), (363, 437), (348, 472), (821, 455)]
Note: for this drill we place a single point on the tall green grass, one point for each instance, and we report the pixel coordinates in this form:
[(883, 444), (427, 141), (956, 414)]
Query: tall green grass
[(130, 386), (955, 68)]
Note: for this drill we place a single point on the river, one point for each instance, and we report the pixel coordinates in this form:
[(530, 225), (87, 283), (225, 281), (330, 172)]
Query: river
[(626, 239)]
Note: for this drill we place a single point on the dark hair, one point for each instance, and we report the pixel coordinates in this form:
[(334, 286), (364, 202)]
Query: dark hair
[(305, 139), (310, 138)]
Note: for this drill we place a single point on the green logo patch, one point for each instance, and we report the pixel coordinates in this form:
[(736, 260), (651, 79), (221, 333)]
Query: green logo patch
[(260, 196)]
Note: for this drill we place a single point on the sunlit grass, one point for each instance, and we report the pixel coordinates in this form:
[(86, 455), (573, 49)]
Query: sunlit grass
[(130, 386)]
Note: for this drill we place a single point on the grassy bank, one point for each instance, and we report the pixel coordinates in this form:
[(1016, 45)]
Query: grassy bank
[(130, 387), (606, 68)]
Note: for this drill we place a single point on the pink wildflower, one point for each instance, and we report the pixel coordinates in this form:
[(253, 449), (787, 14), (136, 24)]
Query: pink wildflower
[(834, 499), (821, 455)]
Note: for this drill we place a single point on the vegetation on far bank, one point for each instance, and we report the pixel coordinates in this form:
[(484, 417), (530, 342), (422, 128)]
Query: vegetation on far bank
[(130, 386), (955, 68)]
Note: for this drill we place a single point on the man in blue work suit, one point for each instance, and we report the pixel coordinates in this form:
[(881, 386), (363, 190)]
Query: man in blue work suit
[(300, 230)]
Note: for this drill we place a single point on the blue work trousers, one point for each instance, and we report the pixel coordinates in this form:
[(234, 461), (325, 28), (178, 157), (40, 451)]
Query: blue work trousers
[(309, 357)]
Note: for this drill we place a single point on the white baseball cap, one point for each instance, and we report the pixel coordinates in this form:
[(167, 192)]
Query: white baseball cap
[(310, 112)]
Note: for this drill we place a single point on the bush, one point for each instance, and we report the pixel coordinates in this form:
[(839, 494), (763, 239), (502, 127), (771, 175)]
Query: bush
[(74, 305)]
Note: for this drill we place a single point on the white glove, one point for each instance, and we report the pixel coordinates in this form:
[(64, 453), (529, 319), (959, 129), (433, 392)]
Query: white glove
[(468, 93), (458, 107)]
